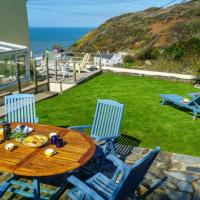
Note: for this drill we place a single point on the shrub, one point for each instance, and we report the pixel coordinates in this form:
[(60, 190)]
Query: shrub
[(175, 52), (128, 59), (196, 68), (150, 53), (155, 53), (195, 44), (152, 9)]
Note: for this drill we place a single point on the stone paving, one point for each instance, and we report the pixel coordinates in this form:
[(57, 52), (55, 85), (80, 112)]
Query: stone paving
[(177, 177), (181, 175)]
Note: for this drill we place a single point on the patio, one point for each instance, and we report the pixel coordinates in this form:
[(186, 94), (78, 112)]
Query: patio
[(176, 177)]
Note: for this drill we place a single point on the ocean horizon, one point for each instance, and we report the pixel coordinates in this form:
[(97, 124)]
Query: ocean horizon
[(42, 38)]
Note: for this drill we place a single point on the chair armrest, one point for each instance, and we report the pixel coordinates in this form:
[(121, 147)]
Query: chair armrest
[(116, 161), (80, 128), (121, 168), (84, 188)]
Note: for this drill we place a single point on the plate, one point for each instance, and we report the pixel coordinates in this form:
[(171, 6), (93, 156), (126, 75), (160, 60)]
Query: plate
[(35, 140), (25, 129)]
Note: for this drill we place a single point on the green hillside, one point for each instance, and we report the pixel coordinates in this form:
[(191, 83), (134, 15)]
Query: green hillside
[(172, 33)]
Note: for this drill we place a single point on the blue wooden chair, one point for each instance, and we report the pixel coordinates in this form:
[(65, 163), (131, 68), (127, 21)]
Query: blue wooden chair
[(123, 184), (124, 146), (106, 123), (193, 105), (20, 108)]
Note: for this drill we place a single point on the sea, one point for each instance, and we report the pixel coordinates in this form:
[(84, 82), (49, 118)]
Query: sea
[(45, 38)]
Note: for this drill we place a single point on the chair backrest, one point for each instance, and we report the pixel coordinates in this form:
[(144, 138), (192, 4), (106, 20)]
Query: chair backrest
[(107, 120), (20, 108), (133, 176)]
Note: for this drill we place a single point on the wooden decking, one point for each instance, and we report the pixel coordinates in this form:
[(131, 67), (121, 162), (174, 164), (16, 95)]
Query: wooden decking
[(79, 77), (65, 84)]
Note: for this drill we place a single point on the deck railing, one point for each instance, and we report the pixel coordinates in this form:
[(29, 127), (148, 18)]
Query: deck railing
[(52, 67)]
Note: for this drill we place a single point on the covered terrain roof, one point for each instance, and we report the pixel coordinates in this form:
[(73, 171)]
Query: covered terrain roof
[(8, 49)]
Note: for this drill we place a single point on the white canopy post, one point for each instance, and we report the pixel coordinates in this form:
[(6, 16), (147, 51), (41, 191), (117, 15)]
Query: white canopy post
[(27, 66)]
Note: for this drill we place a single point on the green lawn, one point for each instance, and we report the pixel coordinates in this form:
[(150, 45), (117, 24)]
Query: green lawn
[(144, 118)]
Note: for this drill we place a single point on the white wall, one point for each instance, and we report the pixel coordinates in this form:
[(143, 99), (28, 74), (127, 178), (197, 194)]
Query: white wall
[(116, 59), (14, 22)]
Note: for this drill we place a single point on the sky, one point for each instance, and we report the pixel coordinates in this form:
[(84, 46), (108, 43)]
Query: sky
[(83, 13)]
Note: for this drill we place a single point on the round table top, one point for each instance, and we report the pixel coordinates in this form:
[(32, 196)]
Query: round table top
[(29, 161)]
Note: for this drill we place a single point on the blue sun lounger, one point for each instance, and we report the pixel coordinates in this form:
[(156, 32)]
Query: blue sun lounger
[(193, 105), (194, 94)]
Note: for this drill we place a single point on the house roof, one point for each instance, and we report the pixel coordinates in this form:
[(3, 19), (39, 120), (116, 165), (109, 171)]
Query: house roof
[(106, 55), (7, 49)]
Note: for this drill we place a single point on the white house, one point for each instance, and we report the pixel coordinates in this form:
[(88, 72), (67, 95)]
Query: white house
[(14, 22), (108, 59)]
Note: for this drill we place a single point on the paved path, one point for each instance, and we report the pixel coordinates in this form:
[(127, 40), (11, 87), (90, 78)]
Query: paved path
[(149, 73)]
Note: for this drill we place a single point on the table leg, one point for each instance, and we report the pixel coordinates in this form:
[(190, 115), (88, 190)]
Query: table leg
[(61, 189), (36, 185)]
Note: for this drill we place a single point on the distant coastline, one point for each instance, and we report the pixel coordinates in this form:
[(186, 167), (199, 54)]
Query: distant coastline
[(42, 38)]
